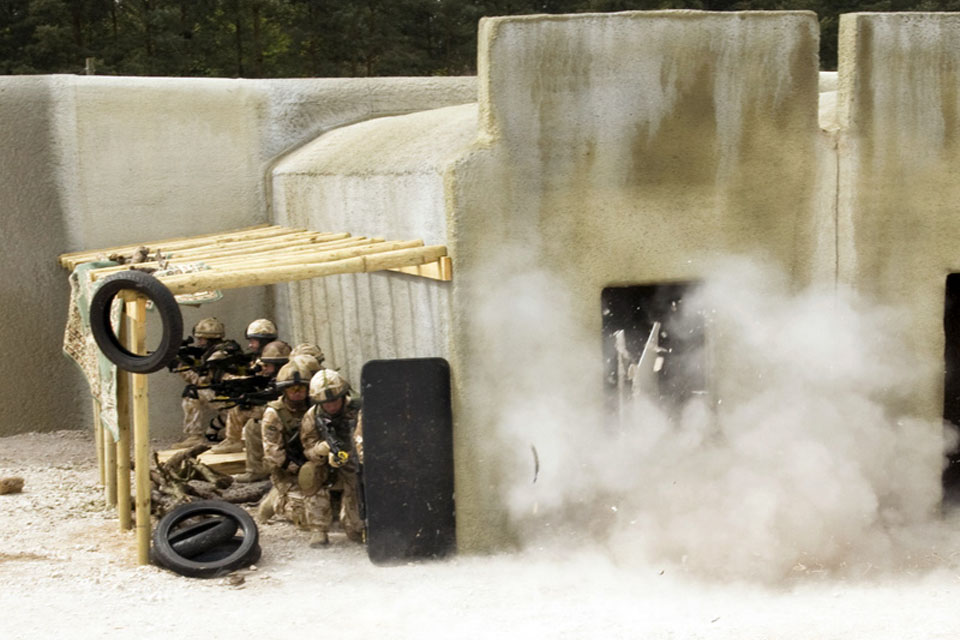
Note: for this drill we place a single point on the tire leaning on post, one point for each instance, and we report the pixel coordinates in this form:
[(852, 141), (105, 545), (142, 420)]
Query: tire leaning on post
[(166, 306)]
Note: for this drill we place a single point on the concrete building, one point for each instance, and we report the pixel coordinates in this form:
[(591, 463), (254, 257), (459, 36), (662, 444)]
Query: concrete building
[(593, 151)]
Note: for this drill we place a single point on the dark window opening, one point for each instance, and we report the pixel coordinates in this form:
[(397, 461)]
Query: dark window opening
[(951, 381), (653, 341)]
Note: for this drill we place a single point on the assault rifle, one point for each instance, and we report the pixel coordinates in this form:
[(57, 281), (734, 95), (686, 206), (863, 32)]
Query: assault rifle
[(188, 356), (245, 392), (328, 431)]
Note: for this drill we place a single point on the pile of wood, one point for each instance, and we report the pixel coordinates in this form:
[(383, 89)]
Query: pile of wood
[(183, 478)]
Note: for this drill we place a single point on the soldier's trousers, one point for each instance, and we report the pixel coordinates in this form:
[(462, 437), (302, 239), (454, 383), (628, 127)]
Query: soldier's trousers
[(253, 445), (317, 506), (193, 410)]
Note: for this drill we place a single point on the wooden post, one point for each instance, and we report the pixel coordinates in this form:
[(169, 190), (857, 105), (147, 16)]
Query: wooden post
[(109, 464), (98, 439), (122, 467), (141, 434)]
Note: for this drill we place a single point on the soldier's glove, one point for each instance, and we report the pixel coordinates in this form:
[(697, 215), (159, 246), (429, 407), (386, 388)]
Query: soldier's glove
[(320, 450), (336, 461)]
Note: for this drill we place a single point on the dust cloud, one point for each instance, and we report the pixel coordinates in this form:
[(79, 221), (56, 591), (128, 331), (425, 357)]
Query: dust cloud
[(802, 457)]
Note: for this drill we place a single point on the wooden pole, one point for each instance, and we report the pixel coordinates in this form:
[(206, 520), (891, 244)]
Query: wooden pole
[(109, 464), (71, 260), (98, 438), (123, 426), (141, 437), (205, 280)]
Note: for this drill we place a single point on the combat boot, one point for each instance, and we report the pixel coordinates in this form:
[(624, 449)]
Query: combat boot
[(319, 539), (251, 476), (227, 446), (189, 441), (268, 506)]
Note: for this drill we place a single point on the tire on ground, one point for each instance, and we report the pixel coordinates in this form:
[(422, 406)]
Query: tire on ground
[(217, 559), (165, 304), (193, 539)]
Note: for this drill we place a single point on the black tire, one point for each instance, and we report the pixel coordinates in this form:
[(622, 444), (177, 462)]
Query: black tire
[(164, 303), (225, 549), (216, 560), (193, 539)]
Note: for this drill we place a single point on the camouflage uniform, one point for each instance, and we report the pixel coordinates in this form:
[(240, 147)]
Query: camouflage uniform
[(194, 408), (316, 498), (282, 452)]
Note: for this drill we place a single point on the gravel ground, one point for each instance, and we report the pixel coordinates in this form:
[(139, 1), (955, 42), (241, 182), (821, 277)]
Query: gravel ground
[(66, 570)]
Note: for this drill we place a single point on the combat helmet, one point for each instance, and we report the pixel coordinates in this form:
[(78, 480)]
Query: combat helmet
[(276, 352), (327, 385), (261, 329), (308, 349), (209, 328), (298, 371)]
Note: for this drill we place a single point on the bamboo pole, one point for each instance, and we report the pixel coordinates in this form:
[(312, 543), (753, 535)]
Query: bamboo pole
[(98, 439), (206, 280), (71, 260), (141, 436)]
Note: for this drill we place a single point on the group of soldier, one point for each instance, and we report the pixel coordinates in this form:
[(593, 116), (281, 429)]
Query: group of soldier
[(297, 422)]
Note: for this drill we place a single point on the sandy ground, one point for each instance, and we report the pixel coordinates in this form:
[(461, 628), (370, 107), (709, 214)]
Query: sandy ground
[(66, 570)]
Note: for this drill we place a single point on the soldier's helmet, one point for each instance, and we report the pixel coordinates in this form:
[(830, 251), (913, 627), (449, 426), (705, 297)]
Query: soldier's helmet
[(308, 349), (327, 385), (261, 329), (276, 352), (209, 328), (298, 371)]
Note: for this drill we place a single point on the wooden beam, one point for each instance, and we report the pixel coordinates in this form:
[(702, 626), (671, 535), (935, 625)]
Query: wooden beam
[(110, 466), (442, 269), (141, 436), (72, 259), (240, 248), (302, 255), (207, 280), (98, 438)]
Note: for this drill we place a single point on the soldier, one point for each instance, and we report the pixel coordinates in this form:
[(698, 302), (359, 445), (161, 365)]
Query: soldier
[(327, 432), (252, 434), (206, 333), (259, 333), (308, 349), (273, 356), (280, 432)]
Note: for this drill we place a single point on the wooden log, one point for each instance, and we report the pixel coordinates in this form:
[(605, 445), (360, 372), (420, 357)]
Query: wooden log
[(124, 422), (72, 259), (375, 245), (206, 280), (284, 252), (110, 465), (141, 436), (238, 248), (98, 438)]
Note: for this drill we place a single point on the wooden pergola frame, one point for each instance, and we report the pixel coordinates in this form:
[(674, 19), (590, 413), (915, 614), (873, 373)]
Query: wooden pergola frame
[(252, 256)]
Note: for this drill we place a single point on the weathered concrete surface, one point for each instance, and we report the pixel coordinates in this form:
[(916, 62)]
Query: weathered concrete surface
[(628, 148), (381, 178), (899, 106), (97, 161)]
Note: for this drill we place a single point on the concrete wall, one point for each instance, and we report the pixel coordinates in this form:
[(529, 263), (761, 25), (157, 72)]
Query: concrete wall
[(96, 161), (614, 149), (899, 106)]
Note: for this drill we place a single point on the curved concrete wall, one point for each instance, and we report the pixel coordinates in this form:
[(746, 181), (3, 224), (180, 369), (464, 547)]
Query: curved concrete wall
[(97, 161), (382, 178)]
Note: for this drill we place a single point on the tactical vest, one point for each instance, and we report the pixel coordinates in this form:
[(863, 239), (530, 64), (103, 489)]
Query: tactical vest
[(291, 430)]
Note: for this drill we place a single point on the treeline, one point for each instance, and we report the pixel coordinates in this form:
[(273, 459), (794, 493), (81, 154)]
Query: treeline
[(311, 38)]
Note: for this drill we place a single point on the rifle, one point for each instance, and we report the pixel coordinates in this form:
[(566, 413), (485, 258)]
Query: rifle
[(328, 432), (188, 357), (246, 392)]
